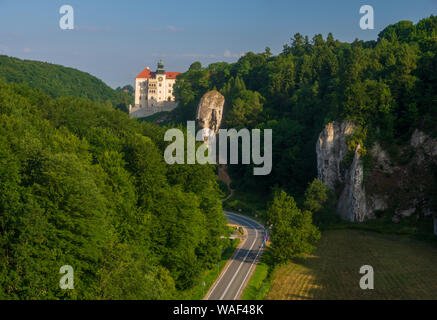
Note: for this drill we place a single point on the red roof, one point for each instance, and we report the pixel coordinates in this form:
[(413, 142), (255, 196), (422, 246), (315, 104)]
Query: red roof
[(147, 74), (171, 75)]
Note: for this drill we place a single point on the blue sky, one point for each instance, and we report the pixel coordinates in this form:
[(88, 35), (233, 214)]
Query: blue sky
[(115, 40)]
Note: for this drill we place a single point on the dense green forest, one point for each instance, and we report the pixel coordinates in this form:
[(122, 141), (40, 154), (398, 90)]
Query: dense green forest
[(386, 87), (127, 88), (59, 81), (81, 184)]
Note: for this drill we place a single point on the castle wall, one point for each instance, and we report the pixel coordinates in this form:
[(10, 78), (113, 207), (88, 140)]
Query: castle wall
[(141, 112)]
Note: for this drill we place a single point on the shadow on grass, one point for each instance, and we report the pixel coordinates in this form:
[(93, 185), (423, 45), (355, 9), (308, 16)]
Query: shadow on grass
[(401, 269)]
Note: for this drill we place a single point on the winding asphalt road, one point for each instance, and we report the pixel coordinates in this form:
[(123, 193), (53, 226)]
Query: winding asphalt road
[(237, 272)]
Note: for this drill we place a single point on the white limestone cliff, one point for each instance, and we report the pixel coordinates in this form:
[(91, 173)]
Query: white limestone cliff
[(389, 185), (331, 148)]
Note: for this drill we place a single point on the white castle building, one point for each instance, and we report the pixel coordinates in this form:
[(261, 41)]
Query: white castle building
[(154, 92)]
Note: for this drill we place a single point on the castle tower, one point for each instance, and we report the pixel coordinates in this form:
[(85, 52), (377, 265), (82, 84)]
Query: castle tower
[(155, 89), (160, 69)]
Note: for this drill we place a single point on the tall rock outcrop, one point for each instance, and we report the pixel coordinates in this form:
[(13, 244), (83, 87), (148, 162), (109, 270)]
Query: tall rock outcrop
[(331, 149), (353, 203), (426, 148), (426, 144), (210, 110)]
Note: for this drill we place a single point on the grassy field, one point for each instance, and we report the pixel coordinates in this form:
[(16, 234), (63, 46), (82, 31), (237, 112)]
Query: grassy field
[(258, 285), (404, 268)]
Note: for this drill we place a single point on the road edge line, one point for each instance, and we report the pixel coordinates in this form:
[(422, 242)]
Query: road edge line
[(254, 263), (226, 267)]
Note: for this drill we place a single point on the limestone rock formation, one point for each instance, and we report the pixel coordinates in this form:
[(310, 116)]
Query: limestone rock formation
[(401, 186), (210, 110), (331, 148), (381, 158), (353, 203), (425, 147), (426, 144)]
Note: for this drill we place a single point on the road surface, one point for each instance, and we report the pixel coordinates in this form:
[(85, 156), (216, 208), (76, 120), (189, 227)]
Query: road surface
[(237, 272)]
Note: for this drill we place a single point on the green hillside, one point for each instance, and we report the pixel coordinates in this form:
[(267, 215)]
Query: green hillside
[(58, 81), (83, 185)]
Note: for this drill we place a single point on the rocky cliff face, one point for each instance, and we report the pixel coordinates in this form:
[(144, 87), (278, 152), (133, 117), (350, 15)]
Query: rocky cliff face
[(427, 145), (401, 185), (331, 149), (352, 204), (210, 110), (425, 153)]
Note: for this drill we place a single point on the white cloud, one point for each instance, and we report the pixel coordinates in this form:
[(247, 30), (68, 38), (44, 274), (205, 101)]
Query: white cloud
[(229, 54), (173, 28)]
